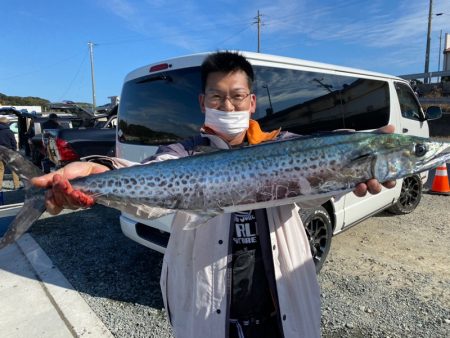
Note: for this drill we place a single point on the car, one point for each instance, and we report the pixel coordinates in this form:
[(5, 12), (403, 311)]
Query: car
[(70, 116), (66, 145), (37, 141), (14, 126), (159, 105)]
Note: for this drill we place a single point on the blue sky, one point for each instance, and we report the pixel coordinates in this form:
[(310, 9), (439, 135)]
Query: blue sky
[(44, 43)]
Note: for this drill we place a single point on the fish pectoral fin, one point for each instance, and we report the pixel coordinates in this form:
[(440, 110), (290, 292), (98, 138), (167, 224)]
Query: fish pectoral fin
[(363, 158), (197, 219)]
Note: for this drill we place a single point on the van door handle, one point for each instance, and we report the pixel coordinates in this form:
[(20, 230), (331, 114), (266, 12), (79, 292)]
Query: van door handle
[(405, 130)]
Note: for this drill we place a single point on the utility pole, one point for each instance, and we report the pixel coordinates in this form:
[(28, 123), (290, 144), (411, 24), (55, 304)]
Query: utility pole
[(427, 52), (258, 22), (91, 53), (439, 58)]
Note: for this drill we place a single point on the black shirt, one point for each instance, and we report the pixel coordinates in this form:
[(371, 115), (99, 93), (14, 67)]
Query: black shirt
[(250, 295)]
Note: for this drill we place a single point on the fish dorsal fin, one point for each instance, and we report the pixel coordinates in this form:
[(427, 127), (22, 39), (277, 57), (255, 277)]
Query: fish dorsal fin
[(20, 165)]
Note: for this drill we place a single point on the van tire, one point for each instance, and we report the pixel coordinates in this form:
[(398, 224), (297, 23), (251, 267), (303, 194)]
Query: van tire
[(319, 229), (410, 196)]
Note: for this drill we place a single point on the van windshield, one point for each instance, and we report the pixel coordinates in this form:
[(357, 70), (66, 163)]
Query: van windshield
[(164, 108), (160, 109)]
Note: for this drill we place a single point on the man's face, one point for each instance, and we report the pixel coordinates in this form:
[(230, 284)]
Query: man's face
[(228, 92)]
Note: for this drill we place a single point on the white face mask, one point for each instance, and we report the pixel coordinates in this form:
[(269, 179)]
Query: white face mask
[(227, 123)]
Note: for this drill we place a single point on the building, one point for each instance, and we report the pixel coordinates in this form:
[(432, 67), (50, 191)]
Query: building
[(447, 53)]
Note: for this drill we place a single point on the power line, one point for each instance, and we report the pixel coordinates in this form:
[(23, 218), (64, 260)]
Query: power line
[(156, 36), (73, 79), (40, 69), (234, 34)]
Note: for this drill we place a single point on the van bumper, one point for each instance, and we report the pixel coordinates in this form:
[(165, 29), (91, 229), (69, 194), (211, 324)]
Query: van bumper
[(150, 236)]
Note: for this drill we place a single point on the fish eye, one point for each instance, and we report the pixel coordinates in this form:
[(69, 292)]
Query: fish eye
[(420, 149)]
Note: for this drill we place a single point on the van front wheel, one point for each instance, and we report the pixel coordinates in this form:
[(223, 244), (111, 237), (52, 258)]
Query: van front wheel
[(319, 230), (410, 196)]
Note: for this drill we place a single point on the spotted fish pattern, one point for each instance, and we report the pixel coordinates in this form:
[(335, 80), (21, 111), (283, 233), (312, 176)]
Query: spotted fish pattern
[(265, 175)]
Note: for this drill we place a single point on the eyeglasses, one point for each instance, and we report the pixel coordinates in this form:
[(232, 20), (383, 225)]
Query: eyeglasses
[(214, 99)]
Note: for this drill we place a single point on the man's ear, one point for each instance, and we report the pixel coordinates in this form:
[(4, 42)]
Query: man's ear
[(252, 103), (201, 101)]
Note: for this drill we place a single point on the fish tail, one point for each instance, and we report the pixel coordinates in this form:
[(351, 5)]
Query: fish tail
[(34, 204)]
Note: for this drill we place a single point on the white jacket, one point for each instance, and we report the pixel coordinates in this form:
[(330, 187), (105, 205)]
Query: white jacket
[(194, 277), (194, 274)]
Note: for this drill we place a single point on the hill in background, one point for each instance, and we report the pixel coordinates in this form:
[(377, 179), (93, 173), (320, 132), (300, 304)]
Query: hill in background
[(6, 100)]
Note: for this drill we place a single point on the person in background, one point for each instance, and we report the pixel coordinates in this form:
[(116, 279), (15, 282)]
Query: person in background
[(248, 274), (52, 122), (7, 140)]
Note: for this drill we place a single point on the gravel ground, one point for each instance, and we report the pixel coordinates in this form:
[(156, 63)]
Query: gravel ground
[(386, 277), (390, 277)]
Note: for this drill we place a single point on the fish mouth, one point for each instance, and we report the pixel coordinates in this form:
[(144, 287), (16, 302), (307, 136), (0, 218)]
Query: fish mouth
[(435, 160)]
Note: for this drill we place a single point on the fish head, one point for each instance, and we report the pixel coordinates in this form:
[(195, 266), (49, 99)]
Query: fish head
[(399, 156)]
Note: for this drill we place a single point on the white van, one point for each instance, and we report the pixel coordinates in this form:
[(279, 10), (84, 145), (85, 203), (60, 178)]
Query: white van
[(159, 105)]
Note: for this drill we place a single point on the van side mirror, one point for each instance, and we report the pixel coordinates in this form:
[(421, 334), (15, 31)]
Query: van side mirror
[(433, 113)]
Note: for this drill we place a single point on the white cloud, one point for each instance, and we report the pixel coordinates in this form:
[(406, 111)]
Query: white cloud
[(186, 24), (374, 24), (391, 28)]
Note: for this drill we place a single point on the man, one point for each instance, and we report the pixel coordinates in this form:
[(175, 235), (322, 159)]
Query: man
[(7, 140), (52, 122), (248, 274)]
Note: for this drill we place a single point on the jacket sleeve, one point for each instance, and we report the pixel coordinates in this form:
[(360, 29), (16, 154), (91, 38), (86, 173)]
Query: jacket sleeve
[(168, 152), (172, 151), (163, 153), (13, 141)]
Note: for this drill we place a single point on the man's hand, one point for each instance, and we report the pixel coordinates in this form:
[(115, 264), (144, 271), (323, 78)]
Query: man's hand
[(373, 186), (60, 193)]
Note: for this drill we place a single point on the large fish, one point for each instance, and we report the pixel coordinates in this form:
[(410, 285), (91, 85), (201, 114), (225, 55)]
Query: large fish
[(259, 176)]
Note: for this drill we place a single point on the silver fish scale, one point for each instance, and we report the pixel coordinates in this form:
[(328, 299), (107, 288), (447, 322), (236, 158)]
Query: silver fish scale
[(226, 178), (233, 180), (271, 171)]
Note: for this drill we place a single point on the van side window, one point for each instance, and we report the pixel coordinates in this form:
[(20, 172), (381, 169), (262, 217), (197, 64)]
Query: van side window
[(409, 106), (306, 102)]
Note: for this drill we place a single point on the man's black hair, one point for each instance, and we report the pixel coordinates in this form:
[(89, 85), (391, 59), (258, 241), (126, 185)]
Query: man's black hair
[(53, 116), (226, 62)]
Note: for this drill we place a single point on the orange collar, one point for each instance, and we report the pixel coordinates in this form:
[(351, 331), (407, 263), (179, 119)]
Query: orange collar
[(255, 135)]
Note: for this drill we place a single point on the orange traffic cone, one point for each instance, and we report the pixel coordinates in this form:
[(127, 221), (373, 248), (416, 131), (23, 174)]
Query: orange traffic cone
[(440, 182)]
